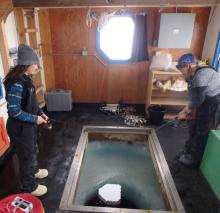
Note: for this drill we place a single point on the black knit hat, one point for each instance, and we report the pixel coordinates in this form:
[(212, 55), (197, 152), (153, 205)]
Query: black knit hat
[(26, 55)]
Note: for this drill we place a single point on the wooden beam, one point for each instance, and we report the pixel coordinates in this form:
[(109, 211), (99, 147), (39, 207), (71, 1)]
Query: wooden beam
[(6, 4), (112, 3), (4, 45), (46, 45), (19, 18), (31, 30), (6, 7)]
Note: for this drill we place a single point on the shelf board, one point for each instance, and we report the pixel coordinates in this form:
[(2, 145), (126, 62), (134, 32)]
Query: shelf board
[(39, 88), (157, 72), (169, 101), (36, 49), (154, 88), (28, 9), (29, 13), (42, 104), (31, 30)]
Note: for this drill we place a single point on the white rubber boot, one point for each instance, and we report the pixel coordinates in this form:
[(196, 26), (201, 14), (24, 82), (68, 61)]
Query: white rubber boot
[(40, 190), (42, 173)]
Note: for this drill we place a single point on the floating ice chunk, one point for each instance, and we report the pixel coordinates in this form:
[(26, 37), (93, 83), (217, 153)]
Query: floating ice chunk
[(110, 194)]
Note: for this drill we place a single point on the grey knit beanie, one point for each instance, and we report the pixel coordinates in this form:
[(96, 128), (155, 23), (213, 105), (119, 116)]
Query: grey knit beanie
[(26, 55)]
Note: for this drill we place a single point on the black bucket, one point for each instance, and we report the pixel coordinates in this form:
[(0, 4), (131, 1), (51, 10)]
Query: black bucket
[(156, 114)]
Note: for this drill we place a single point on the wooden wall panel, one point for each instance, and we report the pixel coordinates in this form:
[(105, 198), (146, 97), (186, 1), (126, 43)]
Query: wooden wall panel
[(19, 18), (4, 51), (46, 47), (5, 8), (89, 80), (92, 81), (6, 5), (199, 32)]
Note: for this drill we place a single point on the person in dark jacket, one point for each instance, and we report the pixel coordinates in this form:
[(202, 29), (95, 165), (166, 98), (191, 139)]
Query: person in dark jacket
[(24, 114), (203, 108)]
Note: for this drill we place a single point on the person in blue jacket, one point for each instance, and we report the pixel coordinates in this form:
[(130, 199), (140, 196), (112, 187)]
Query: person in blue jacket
[(203, 108), (24, 114)]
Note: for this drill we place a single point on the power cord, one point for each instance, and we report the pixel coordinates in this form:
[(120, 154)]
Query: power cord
[(176, 124)]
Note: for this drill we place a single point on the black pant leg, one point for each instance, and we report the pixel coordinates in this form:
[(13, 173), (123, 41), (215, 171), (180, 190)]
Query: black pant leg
[(22, 136), (199, 140), (192, 133), (204, 122), (28, 159), (36, 151)]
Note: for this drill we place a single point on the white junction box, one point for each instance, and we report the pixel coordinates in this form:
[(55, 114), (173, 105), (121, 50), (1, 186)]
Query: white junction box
[(58, 100), (176, 30)]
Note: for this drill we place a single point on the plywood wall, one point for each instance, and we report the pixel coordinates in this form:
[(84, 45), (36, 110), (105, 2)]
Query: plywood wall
[(91, 79), (212, 34)]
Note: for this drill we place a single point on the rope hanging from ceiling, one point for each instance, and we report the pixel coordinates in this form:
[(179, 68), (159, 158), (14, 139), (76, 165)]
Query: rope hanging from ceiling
[(102, 19)]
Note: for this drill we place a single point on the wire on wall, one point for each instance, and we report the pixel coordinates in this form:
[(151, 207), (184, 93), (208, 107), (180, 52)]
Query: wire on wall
[(102, 19), (98, 58)]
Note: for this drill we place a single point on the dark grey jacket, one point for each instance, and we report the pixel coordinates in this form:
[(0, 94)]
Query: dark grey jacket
[(205, 83)]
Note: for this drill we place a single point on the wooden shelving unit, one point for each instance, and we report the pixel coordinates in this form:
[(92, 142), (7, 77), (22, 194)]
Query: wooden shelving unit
[(168, 98)]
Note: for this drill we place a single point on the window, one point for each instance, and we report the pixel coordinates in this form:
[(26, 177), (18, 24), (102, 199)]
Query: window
[(115, 40)]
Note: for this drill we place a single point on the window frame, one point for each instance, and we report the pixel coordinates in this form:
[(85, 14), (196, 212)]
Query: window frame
[(103, 54)]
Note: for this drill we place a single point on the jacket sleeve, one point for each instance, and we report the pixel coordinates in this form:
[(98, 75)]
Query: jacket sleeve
[(197, 97), (14, 105), (199, 87)]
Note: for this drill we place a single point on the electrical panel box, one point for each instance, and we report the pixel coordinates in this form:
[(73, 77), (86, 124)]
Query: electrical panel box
[(176, 30)]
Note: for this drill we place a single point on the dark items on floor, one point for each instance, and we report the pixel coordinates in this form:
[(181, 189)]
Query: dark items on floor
[(126, 113), (57, 148)]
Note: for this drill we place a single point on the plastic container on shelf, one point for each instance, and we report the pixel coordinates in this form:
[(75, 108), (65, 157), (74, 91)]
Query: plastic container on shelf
[(161, 61)]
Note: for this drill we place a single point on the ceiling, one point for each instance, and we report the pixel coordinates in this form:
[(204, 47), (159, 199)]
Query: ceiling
[(113, 3)]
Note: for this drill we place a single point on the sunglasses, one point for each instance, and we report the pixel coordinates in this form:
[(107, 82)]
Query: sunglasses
[(181, 66)]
